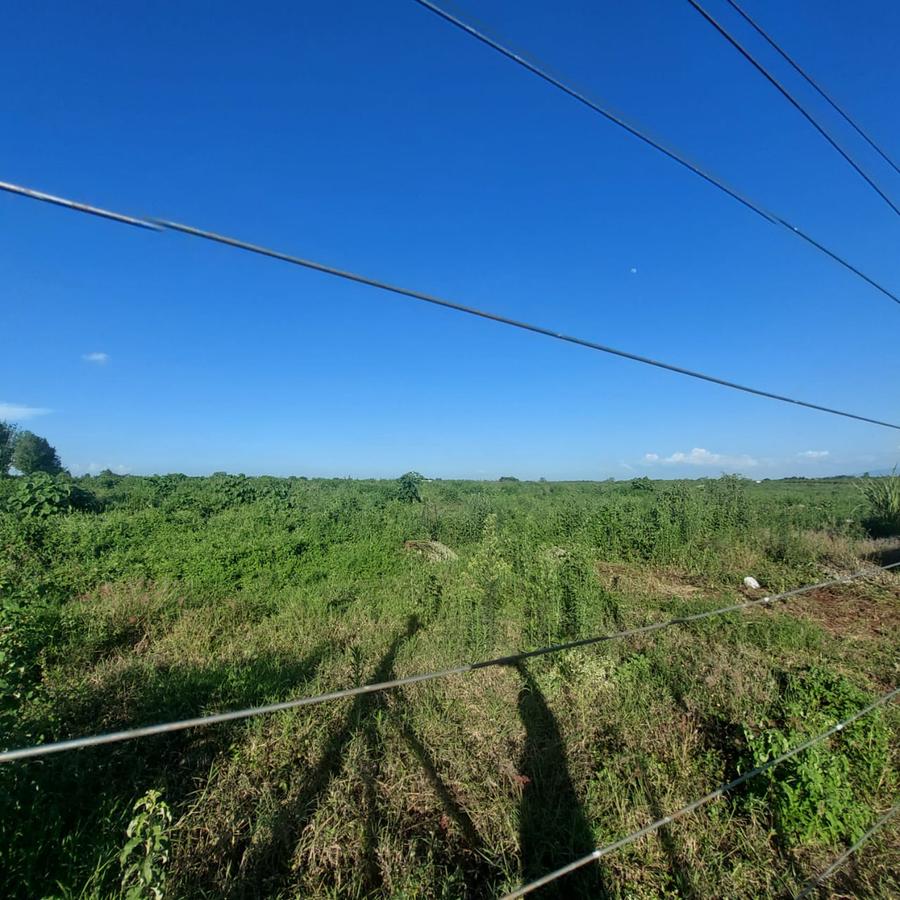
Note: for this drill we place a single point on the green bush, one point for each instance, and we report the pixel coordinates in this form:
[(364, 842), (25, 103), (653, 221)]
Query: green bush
[(822, 794), (408, 488), (883, 496), (41, 496)]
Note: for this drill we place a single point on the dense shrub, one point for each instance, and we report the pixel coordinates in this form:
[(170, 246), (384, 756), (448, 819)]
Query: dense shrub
[(823, 794), (883, 497), (41, 495)]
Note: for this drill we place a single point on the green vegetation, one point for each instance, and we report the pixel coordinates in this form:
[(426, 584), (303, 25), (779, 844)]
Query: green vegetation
[(883, 496), (130, 600), (7, 445), (143, 859), (32, 453)]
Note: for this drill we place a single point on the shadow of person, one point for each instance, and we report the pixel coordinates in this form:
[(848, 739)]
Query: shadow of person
[(467, 848), (71, 803), (265, 866), (553, 828)]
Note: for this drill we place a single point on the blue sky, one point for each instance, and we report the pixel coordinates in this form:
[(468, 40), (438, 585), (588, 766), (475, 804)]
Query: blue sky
[(377, 138)]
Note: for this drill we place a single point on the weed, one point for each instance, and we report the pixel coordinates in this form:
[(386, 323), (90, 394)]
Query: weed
[(144, 857), (883, 497), (824, 793)]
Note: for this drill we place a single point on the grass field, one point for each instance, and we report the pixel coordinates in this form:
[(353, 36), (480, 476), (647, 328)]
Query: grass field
[(133, 600)]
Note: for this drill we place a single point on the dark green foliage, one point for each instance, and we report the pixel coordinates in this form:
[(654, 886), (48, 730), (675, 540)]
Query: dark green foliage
[(40, 496), (408, 488), (820, 795), (32, 453), (7, 445)]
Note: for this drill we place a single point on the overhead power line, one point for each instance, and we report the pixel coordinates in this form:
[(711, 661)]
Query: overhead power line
[(817, 87), (234, 715), (813, 883), (163, 224), (792, 100), (644, 135), (600, 852)]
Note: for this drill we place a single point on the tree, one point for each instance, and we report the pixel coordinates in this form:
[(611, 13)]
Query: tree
[(7, 444), (33, 453), (408, 487)]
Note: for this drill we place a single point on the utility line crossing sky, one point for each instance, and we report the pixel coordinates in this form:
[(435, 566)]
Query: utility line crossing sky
[(379, 138)]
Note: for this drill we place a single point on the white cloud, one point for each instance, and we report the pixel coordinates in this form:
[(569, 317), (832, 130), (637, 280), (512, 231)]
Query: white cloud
[(814, 454), (633, 270), (700, 457), (15, 412), (100, 359)]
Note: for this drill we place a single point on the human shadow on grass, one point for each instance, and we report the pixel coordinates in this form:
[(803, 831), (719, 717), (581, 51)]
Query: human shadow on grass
[(553, 827), (473, 855), (84, 796), (265, 866), (265, 869)]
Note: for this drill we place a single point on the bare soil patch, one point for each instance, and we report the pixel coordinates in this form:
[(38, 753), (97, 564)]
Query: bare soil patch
[(845, 613)]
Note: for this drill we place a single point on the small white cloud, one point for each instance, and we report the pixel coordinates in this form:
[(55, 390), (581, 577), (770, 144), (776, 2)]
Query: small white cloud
[(100, 359), (701, 457), (814, 454), (633, 270), (15, 412)]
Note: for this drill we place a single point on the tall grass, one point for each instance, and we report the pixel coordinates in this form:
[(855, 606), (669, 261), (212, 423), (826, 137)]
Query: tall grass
[(883, 496)]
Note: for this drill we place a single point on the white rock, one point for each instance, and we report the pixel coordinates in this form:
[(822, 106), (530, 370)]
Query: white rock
[(751, 582)]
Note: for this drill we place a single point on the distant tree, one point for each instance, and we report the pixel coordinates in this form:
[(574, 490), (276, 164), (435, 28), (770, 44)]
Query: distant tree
[(33, 453), (508, 478), (7, 445), (408, 487), (641, 484)]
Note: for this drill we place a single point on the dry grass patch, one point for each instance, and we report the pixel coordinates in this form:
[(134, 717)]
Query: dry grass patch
[(643, 582)]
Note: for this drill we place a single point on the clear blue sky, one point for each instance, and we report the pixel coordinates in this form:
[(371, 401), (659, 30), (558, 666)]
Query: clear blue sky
[(376, 137)]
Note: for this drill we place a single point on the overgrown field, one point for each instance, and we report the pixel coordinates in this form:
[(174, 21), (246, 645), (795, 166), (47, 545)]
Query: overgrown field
[(128, 601)]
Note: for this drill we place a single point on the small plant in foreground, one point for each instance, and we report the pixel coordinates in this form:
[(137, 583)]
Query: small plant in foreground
[(144, 856)]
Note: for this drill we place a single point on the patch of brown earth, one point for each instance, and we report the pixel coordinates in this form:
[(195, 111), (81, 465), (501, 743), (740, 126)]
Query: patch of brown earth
[(845, 613)]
